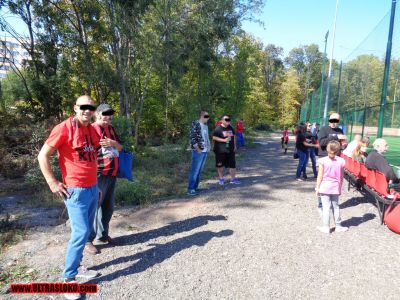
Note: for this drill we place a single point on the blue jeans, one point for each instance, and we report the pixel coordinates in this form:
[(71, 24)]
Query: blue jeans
[(105, 209), (302, 162), (311, 155), (327, 202), (81, 206), (240, 139), (198, 161)]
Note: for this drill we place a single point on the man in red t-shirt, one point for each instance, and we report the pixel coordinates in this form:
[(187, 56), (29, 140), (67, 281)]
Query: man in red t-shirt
[(108, 160), (239, 133), (76, 142)]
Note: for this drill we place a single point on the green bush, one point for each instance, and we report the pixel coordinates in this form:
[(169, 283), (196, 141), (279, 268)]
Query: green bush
[(135, 193), (124, 128)]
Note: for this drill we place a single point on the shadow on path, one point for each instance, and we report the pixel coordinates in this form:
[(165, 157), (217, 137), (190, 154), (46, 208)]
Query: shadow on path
[(157, 254), (355, 221), (354, 201), (168, 230)]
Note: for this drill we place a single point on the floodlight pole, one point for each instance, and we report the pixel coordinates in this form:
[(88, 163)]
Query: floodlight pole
[(323, 76), (330, 66), (386, 72)]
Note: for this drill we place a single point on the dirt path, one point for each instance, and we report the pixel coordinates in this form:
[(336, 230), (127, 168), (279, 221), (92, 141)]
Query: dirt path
[(253, 241)]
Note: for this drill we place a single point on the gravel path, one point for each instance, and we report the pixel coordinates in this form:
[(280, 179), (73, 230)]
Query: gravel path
[(253, 241)]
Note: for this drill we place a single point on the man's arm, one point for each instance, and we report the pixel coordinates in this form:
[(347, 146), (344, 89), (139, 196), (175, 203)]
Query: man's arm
[(55, 186), (221, 140), (384, 167)]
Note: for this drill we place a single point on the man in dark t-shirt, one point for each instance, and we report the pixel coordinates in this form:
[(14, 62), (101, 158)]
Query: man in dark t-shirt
[(329, 133), (225, 148)]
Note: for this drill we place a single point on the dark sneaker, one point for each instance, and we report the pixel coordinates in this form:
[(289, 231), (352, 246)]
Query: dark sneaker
[(192, 193), (71, 296), (91, 249), (106, 240), (83, 272)]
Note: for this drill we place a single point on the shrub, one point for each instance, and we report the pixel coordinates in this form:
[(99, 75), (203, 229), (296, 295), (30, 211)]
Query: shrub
[(34, 176), (265, 127), (124, 129), (136, 192)]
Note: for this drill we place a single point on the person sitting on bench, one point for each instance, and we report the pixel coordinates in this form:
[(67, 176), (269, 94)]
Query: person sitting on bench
[(376, 161)]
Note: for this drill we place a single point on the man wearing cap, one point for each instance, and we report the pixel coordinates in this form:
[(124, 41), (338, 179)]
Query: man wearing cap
[(329, 133), (76, 142), (107, 163)]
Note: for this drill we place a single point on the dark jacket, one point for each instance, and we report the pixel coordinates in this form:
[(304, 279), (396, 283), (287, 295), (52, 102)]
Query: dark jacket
[(195, 136), (325, 135), (377, 161)]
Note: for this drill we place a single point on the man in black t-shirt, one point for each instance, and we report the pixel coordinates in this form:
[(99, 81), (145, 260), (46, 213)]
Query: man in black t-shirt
[(225, 147), (329, 133)]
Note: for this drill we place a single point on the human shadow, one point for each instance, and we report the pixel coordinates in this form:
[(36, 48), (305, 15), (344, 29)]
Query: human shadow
[(354, 201), (157, 254), (168, 230), (355, 221)]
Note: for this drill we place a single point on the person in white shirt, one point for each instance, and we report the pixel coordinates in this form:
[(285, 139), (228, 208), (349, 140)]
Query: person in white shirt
[(352, 145)]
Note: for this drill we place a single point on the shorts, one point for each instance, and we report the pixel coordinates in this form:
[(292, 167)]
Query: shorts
[(226, 160)]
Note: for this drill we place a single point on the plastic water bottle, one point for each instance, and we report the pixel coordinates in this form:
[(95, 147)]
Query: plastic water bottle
[(227, 143)]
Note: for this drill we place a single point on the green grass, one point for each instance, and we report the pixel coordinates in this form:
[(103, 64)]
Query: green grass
[(15, 273), (162, 172)]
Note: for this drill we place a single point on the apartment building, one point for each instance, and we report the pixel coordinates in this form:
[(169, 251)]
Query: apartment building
[(11, 53)]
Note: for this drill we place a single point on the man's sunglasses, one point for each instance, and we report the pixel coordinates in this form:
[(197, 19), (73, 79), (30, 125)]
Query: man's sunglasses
[(107, 113), (206, 116), (227, 119), (334, 120), (87, 107)]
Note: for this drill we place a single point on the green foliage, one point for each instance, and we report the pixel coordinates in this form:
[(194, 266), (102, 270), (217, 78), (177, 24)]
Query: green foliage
[(124, 129), (132, 193)]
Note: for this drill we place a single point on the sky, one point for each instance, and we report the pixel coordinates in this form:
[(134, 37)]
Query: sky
[(291, 23)]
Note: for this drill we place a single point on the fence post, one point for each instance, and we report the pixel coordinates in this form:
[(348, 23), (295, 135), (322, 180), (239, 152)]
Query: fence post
[(386, 72)]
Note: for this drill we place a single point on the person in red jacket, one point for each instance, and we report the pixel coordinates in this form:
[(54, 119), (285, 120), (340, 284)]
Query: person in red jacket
[(285, 139), (239, 132)]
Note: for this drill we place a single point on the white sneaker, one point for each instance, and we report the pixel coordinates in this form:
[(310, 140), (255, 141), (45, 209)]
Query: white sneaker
[(83, 272), (341, 228), (71, 296), (324, 229)]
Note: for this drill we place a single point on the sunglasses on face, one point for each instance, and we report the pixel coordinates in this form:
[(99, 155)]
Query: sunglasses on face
[(206, 116), (227, 120), (107, 113), (334, 121), (87, 107)]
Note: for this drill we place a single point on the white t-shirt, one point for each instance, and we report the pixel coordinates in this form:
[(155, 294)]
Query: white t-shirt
[(204, 135), (350, 148)]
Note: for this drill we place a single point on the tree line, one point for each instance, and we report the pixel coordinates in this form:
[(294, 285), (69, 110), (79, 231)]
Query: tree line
[(158, 62)]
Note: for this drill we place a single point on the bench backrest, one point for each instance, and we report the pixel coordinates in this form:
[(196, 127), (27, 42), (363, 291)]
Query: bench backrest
[(356, 168), (363, 172), (370, 179), (381, 184)]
